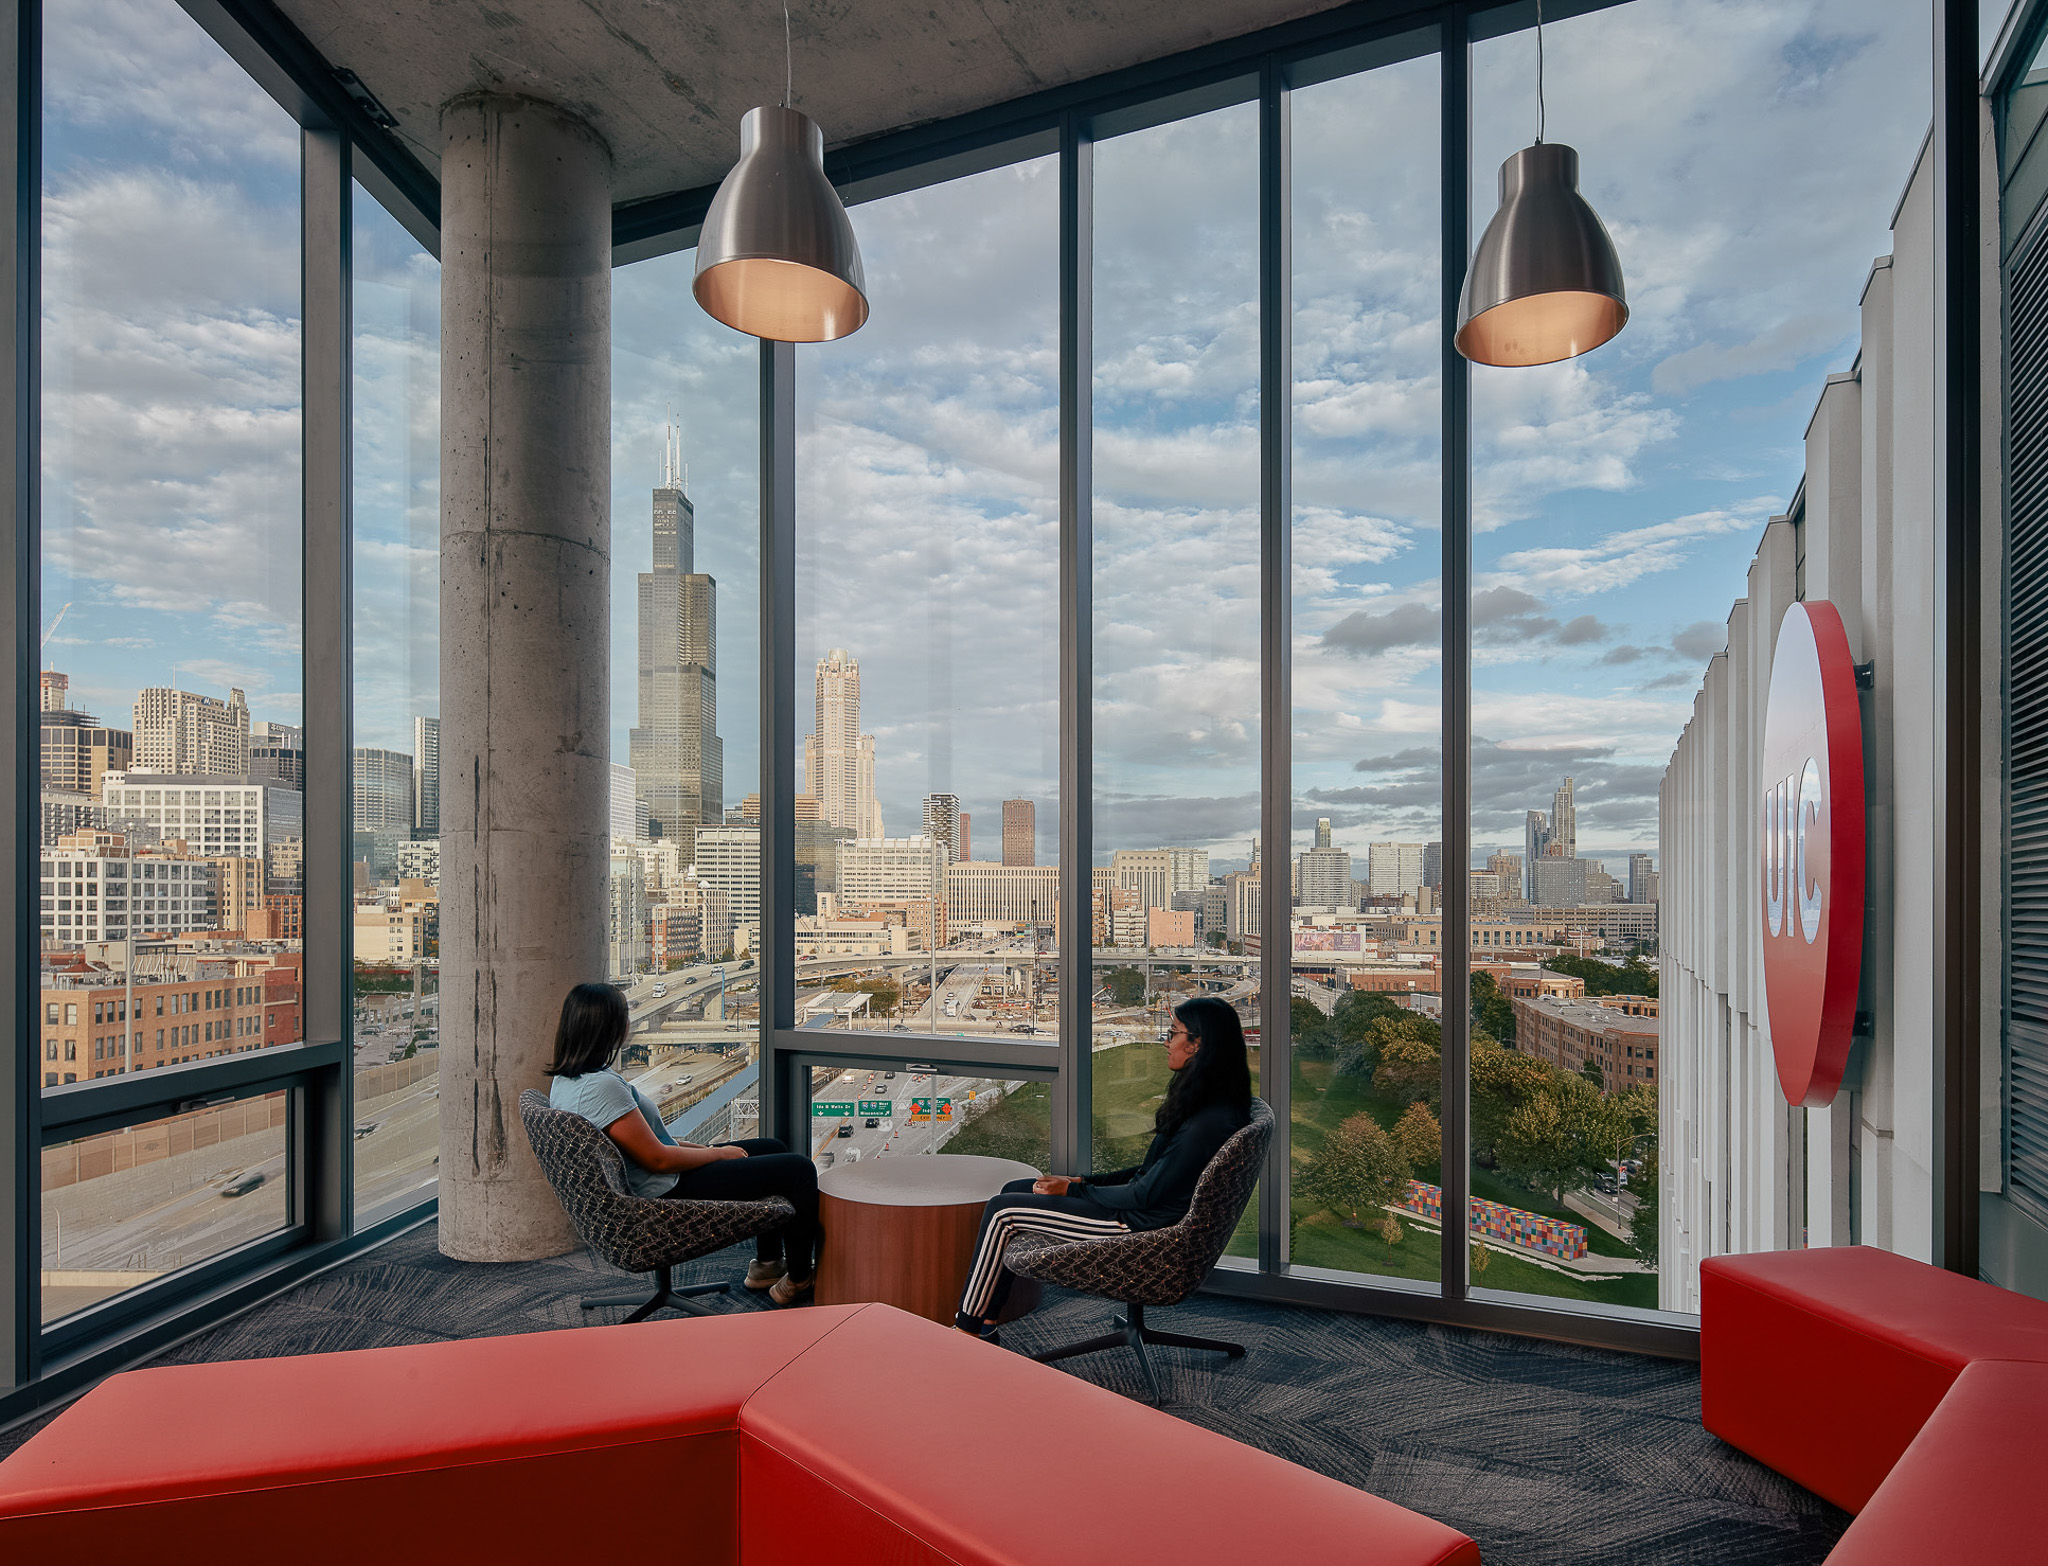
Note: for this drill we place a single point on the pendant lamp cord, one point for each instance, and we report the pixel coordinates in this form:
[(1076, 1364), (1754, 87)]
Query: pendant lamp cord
[(789, 62), (1540, 111)]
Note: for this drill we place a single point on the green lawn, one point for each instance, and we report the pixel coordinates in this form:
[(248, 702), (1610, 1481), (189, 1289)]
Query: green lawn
[(1131, 1079)]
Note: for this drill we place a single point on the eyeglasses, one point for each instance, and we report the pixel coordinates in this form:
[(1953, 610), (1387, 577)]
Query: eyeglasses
[(1178, 1032)]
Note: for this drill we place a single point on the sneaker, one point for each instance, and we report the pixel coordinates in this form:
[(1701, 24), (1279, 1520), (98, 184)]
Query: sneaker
[(787, 1291), (762, 1275)]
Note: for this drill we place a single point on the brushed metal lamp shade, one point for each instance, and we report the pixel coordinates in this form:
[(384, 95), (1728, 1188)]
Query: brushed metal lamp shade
[(777, 256), (1545, 283)]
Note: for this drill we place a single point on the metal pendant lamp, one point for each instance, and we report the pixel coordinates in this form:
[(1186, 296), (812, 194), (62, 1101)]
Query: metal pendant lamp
[(1545, 283), (777, 257)]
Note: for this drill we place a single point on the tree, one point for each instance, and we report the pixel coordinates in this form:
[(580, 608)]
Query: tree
[(1634, 977), (1390, 1230), (1481, 1256), (1216, 937), (1589, 1068), (1491, 1010), (1410, 1062), (1418, 1137), (1642, 1229), (1502, 1081), (1126, 986), (1562, 1135), (1357, 1166), (1314, 1037)]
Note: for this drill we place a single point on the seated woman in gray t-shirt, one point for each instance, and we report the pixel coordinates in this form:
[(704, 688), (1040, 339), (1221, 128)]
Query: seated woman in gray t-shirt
[(594, 1027)]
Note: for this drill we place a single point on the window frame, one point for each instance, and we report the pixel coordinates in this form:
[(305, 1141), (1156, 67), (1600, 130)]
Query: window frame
[(341, 142)]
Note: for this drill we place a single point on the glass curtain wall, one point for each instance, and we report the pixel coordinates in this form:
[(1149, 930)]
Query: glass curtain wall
[(1747, 165), (397, 749), (171, 510), (927, 816), (685, 784), (1367, 848), (1177, 873)]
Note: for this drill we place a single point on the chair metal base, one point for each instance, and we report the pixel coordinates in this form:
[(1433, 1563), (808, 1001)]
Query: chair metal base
[(666, 1297), (1132, 1333)]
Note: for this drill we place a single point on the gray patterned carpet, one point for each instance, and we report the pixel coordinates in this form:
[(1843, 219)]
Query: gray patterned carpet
[(1546, 1455)]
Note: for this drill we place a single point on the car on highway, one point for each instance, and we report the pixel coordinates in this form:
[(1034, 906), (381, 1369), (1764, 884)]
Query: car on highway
[(243, 1184), (871, 1123), (662, 989), (845, 1128), (364, 1128)]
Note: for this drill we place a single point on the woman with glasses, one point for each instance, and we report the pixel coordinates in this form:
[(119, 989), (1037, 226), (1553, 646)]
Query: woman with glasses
[(1208, 1100)]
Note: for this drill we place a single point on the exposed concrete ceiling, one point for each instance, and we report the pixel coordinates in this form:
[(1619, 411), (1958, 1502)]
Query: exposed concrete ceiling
[(666, 83)]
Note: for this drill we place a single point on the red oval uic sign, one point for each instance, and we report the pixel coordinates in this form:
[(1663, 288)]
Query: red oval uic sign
[(1811, 832)]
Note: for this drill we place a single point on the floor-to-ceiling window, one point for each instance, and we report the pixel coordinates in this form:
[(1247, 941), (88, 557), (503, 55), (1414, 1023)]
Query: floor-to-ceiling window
[(1624, 549), (1367, 843), (684, 912), (395, 841), (927, 813), (171, 682), (1178, 871)]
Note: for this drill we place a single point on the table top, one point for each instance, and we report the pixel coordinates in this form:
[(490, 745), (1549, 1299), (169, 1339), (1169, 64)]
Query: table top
[(923, 1180)]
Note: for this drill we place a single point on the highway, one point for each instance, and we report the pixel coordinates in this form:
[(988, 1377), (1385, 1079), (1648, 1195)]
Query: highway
[(896, 1135)]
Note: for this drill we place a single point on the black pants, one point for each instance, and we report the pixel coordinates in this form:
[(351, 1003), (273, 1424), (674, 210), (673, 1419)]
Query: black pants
[(769, 1169), (1017, 1210)]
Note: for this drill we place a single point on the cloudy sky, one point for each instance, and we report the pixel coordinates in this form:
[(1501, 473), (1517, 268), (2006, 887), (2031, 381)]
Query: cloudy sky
[(1746, 155)]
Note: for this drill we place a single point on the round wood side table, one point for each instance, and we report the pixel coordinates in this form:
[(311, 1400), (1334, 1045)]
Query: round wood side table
[(900, 1231)]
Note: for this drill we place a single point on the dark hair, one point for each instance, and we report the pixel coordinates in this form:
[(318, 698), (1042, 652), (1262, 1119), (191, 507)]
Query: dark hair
[(594, 1024), (1218, 1073)]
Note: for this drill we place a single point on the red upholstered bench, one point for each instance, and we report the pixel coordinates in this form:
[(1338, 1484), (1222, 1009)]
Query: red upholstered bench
[(1825, 1364), (1967, 1489), (736, 1437)]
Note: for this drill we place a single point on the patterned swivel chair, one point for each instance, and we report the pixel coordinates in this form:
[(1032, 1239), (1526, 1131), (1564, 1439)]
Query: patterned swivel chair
[(1154, 1266), (636, 1233)]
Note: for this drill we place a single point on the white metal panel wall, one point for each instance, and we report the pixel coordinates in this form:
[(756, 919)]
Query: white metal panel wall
[(1742, 1171)]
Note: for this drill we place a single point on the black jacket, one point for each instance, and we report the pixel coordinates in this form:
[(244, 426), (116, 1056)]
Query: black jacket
[(1157, 1192)]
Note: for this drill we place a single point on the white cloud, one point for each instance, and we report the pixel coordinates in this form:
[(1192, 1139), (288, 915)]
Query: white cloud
[(1620, 559)]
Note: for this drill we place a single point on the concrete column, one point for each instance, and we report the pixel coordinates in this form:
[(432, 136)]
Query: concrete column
[(525, 639)]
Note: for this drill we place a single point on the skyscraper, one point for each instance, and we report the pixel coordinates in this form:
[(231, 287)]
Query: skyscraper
[(966, 837), (383, 806), (1323, 878), (1642, 879), (1322, 832), (1020, 832), (678, 760), (426, 776), (1432, 864), (185, 732), (839, 760), (1564, 822), (1536, 845), (628, 806), (1394, 869), (942, 822), (277, 753)]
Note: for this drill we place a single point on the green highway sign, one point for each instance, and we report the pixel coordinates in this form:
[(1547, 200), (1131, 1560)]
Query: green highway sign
[(877, 1106), (824, 1111)]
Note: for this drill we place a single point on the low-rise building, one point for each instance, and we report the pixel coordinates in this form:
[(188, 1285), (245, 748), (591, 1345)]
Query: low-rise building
[(95, 887), (98, 1020), (1568, 1033)]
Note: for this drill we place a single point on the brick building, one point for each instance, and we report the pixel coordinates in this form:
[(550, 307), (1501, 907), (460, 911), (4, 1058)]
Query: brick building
[(1568, 1033)]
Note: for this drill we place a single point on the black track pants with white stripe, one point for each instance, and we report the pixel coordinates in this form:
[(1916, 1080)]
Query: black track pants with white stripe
[(1013, 1212)]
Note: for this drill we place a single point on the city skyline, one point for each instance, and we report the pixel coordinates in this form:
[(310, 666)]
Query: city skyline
[(1607, 488)]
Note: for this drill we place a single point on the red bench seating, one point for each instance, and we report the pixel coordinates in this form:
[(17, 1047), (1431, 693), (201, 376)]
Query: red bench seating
[(855, 1433), (1894, 1389)]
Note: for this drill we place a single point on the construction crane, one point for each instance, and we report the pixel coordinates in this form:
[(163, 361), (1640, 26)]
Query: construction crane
[(52, 631)]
